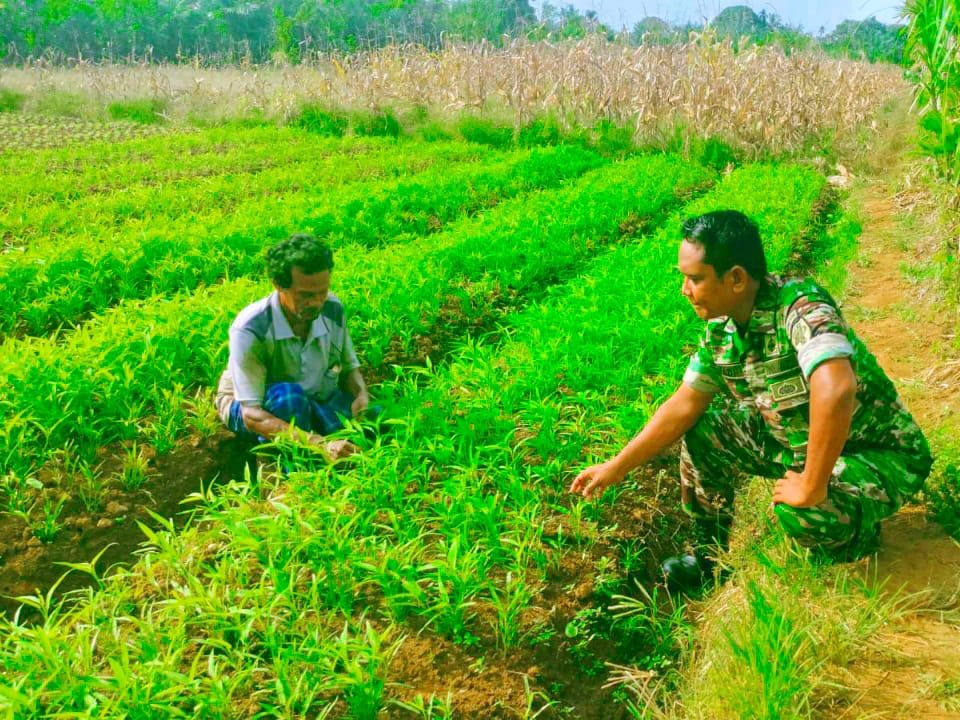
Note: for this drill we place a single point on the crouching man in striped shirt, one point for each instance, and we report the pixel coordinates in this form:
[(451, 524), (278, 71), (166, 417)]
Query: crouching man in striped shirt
[(292, 366)]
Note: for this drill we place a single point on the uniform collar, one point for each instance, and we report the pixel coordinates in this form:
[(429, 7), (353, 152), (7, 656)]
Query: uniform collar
[(762, 317), (281, 327)]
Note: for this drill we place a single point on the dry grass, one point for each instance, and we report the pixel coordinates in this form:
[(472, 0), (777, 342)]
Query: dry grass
[(759, 99)]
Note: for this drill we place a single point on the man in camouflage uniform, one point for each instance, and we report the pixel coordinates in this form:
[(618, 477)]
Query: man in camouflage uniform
[(779, 387)]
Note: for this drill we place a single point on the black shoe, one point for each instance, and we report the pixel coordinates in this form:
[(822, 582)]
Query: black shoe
[(688, 572)]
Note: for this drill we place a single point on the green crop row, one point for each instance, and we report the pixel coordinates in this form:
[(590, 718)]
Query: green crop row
[(19, 132), (631, 325), (451, 528), (99, 168), (110, 380), (457, 278), (64, 286), (318, 168)]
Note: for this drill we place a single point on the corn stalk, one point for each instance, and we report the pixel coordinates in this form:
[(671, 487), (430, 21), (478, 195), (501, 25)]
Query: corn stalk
[(932, 43)]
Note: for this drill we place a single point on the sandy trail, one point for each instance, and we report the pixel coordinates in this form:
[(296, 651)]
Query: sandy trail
[(915, 670)]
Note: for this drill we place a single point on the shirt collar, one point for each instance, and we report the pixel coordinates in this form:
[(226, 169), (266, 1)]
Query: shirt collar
[(282, 329), (764, 310)]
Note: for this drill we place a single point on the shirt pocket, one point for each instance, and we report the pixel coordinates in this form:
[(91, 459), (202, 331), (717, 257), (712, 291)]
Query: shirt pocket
[(787, 387), (735, 378)]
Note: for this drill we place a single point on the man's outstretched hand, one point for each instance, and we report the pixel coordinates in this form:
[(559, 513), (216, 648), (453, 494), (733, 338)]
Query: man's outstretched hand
[(595, 479), (334, 449)]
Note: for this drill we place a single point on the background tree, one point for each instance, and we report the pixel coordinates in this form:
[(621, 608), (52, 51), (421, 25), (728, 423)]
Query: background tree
[(868, 39), (261, 30), (653, 31), (740, 21)]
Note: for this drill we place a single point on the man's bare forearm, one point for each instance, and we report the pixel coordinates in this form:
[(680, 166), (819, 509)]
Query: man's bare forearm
[(833, 389), (668, 424), (355, 383), (269, 426)]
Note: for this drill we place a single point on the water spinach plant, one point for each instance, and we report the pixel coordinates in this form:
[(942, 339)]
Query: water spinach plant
[(292, 594)]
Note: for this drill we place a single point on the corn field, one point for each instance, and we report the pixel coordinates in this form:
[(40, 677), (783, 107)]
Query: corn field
[(758, 99)]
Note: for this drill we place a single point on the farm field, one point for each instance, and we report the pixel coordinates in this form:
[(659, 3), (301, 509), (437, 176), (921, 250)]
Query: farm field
[(454, 531), (518, 312)]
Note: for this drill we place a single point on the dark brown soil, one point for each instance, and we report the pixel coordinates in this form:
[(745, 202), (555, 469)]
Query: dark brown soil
[(29, 567)]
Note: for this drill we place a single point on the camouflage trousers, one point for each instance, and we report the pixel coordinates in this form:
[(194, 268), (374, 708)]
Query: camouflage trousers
[(731, 443)]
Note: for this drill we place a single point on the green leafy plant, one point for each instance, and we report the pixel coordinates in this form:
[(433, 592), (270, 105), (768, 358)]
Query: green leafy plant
[(333, 123), (49, 524), (146, 111), (19, 492), (11, 100), (931, 42), (942, 498), (135, 469)]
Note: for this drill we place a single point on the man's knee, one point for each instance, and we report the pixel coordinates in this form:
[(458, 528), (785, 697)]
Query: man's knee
[(825, 525), (289, 402)]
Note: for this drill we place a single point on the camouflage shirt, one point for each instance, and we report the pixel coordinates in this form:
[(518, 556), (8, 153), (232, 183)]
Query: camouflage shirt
[(795, 326)]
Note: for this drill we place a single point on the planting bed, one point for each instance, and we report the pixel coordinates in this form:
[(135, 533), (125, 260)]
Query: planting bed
[(527, 331)]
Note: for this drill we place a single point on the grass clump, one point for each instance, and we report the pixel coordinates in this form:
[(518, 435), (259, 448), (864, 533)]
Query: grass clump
[(11, 100), (60, 103), (777, 639), (942, 497), (714, 152), (542, 131), (485, 132), (147, 111), (611, 139), (322, 121), (435, 132), (378, 124)]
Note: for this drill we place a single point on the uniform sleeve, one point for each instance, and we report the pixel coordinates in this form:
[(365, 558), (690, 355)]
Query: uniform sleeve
[(817, 332), (702, 374), (247, 368)]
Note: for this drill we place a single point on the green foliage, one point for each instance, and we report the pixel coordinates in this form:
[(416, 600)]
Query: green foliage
[(60, 103), (737, 21), (11, 100), (379, 124), (285, 45), (868, 39), (542, 131), (321, 121), (490, 20), (608, 138), (146, 112), (160, 248), (484, 132), (654, 31), (434, 132), (942, 497), (713, 152), (931, 45), (298, 590)]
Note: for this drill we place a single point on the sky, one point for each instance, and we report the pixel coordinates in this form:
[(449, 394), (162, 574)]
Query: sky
[(810, 14)]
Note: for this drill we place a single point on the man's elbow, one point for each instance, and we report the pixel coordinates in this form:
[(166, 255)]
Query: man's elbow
[(837, 380), (846, 382), (252, 419)]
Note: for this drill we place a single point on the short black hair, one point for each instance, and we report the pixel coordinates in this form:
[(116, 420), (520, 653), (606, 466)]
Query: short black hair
[(728, 238), (299, 250)]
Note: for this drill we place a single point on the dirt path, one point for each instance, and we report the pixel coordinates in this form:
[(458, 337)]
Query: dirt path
[(894, 307)]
